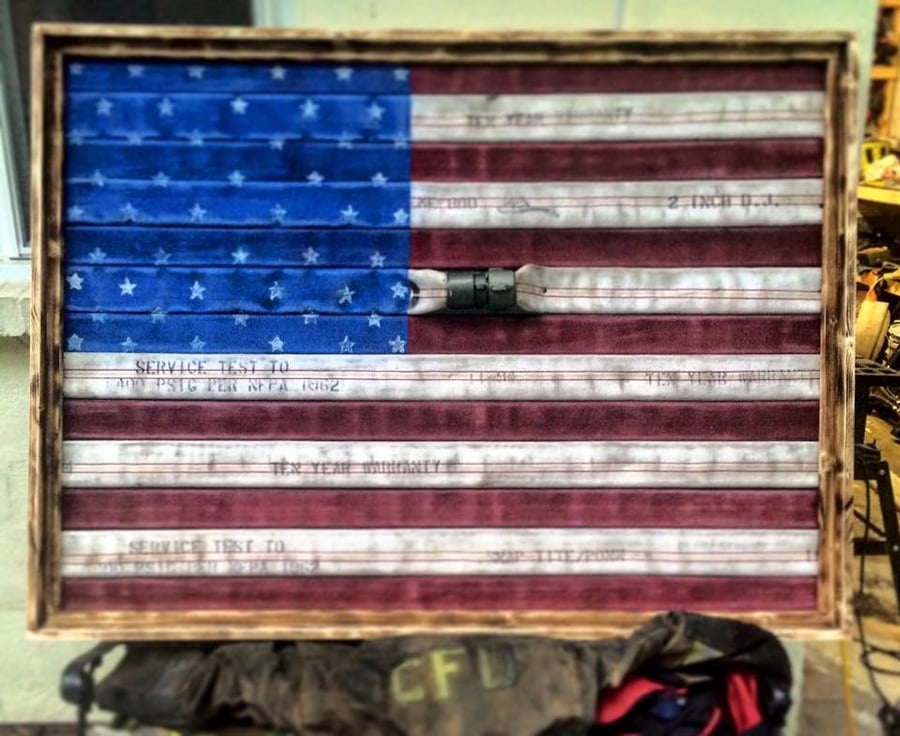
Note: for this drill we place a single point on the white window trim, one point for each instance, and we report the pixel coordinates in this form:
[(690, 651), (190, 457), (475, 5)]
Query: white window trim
[(12, 224), (13, 228), (15, 263)]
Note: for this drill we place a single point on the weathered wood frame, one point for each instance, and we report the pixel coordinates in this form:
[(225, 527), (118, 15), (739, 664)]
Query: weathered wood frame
[(54, 44)]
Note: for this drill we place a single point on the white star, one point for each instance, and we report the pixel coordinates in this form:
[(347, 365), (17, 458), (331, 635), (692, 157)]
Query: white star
[(401, 217), (349, 214), (127, 287), (399, 291), (128, 345), (75, 342), (239, 256), (135, 70), (196, 212), (75, 212), (276, 143), (239, 105), (374, 320), (310, 256), (197, 344), (314, 177), (345, 295), (379, 180), (75, 281), (346, 345), (277, 344), (344, 73), (278, 213), (278, 72), (376, 111), (401, 75), (129, 213), (160, 179), (97, 178), (400, 142), (97, 255), (76, 69), (76, 137), (377, 260), (310, 317), (98, 316), (165, 107), (236, 178), (309, 110), (195, 137), (161, 258), (158, 316), (134, 139), (276, 291), (345, 140), (196, 72), (197, 290), (398, 345), (104, 107), (240, 320)]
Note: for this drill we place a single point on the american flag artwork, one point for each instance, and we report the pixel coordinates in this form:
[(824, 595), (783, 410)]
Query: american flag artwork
[(268, 406)]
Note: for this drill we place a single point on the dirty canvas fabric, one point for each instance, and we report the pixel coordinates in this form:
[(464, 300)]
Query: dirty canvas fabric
[(440, 686), (262, 411), (415, 685)]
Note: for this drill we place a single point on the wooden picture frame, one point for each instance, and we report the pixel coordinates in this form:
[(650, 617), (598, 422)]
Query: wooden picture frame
[(50, 611)]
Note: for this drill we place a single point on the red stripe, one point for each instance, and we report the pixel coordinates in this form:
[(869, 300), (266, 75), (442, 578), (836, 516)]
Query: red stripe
[(679, 247), (566, 78), (472, 593), (614, 334), (657, 161), (152, 508), (86, 419)]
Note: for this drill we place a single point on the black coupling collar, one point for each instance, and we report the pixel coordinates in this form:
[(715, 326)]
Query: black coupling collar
[(493, 289)]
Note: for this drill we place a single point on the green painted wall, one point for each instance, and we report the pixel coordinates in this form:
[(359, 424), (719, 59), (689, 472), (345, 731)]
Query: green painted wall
[(29, 670), (632, 15), (446, 14)]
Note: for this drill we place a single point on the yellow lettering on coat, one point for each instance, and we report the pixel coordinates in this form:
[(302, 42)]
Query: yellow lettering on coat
[(442, 667), (401, 690)]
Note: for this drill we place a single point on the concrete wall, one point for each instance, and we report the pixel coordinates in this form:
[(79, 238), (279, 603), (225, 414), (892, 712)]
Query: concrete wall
[(29, 671)]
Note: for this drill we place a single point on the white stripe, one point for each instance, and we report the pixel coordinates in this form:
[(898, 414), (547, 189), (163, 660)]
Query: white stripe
[(662, 204), (617, 117), (358, 464), (274, 552), (646, 290), (443, 377)]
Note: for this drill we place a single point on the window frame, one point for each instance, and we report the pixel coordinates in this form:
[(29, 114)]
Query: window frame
[(14, 244)]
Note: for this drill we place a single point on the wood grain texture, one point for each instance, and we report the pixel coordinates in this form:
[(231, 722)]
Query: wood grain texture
[(443, 46), (46, 348), (56, 43), (37, 482), (267, 625), (847, 196), (839, 242), (53, 347), (830, 356)]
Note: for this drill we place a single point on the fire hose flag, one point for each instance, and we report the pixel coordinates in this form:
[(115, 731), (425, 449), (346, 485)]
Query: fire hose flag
[(269, 405)]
